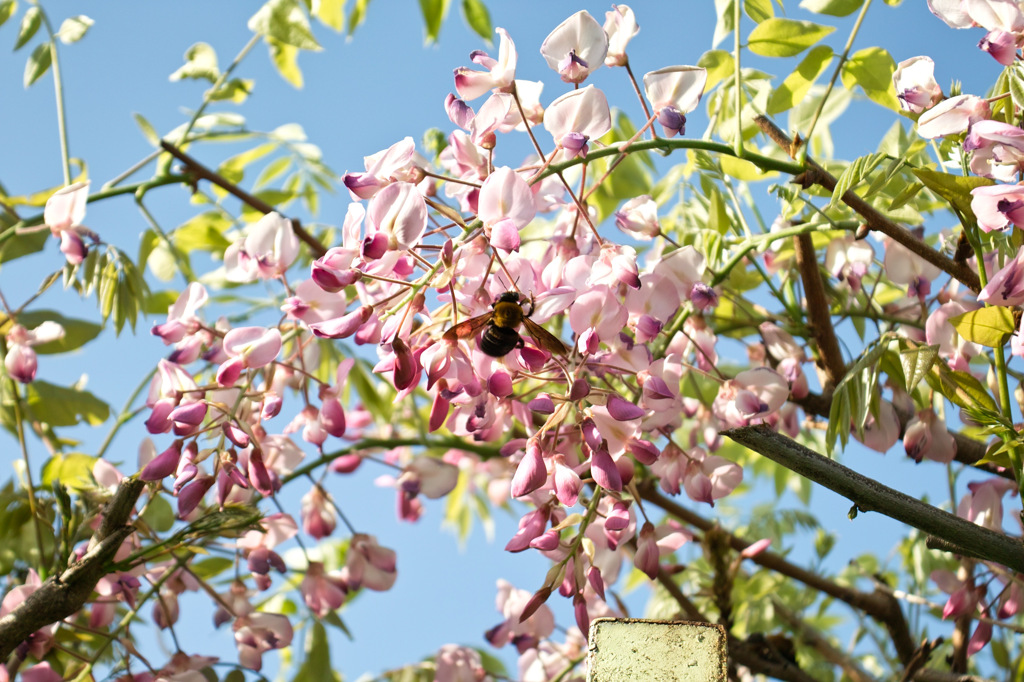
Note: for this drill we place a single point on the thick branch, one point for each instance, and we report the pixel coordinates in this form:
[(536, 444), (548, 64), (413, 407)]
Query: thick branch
[(874, 219), (870, 495), (878, 605), (64, 594), (829, 355), (200, 171)]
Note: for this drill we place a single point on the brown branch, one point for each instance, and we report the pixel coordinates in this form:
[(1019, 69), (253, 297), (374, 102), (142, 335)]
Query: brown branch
[(870, 495), (875, 220), (810, 636), (830, 358), (63, 595), (200, 171)]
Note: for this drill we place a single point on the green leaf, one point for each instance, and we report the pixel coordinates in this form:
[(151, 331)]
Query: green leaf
[(853, 175), (272, 171), (1016, 83), (30, 23), (758, 10), (7, 10), (872, 69), (77, 333), (200, 64), (960, 388), (317, 665), (211, 567), (38, 63), (204, 232), (358, 15), (286, 61), (479, 19), (159, 514), (23, 245), (235, 90), (989, 326), (434, 12), (73, 470), (834, 8), (956, 189), (798, 83), (916, 363), (719, 65), (330, 13), (74, 29), (778, 37), (725, 11), (148, 131), (61, 406), (286, 22)]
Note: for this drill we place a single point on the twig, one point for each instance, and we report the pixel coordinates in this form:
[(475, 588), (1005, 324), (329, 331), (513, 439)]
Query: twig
[(815, 174), (200, 171), (63, 595), (819, 316)]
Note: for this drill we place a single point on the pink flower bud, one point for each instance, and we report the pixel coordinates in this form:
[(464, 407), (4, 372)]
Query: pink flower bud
[(163, 465), (531, 473)]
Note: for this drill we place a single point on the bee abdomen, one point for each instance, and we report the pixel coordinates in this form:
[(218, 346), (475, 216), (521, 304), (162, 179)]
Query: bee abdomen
[(498, 341)]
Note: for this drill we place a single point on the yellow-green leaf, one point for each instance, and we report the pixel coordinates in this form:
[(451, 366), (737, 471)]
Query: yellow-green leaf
[(286, 22), (74, 29), (872, 69), (358, 14), (835, 8), (61, 406), (798, 83), (777, 37), (147, 129), (286, 60), (200, 63), (719, 65), (956, 189), (916, 363), (479, 19), (73, 470), (30, 23), (38, 63), (434, 12), (7, 10), (989, 326), (758, 10), (330, 13), (960, 388)]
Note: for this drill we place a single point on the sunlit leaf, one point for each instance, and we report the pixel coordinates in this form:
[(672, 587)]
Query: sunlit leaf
[(284, 21), (62, 406), (286, 61), (916, 363), (7, 10), (956, 189), (330, 13), (73, 470), (76, 332), (871, 69), (798, 83), (38, 64), (147, 129), (30, 23), (960, 388), (777, 37), (74, 29), (479, 19), (835, 8), (990, 326)]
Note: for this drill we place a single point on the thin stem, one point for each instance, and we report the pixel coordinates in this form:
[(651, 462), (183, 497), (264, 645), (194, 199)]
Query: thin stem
[(208, 96), (125, 415), (737, 81), (835, 74), (33, 505), (58, 87)]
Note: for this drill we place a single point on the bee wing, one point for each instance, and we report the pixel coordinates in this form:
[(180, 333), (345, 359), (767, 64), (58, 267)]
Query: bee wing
[(545, 339), (470, 327)]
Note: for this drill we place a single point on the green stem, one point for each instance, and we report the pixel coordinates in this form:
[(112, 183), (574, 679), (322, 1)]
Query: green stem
[(33, 505), (179, 258), (738, 78), (58, 87), (835, 75), (208, 97)]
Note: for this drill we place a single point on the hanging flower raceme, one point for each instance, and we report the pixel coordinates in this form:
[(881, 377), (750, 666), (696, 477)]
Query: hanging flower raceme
[(620, 26), (916, 88), (21, 361), (265, 252), (248, 348)]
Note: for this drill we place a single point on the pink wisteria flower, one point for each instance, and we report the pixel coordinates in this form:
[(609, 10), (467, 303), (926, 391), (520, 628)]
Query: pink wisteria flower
[(258, 633), (505, 207), (998, 206), (997, 149), (268, 248), (915, 84), (952, 116), (675, 91), (397, 163), (63, 214), (500, 73), (751, 397), (576, 47), (396, 216), (21, 361), (620, 26), (248, 348), (926, 436), (1006, 286), (577, 117), (454, 663)]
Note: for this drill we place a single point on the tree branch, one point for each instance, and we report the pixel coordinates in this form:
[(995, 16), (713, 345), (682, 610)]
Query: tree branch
[(874, 218), (200, 171), (870, 495), (830, 358), (63, 595)]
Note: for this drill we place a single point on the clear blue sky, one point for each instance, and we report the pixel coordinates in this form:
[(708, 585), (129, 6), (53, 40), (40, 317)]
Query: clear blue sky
[(360, 96)]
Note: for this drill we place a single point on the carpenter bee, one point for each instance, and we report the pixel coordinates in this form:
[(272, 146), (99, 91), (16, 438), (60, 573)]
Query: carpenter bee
[(501, 335)]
